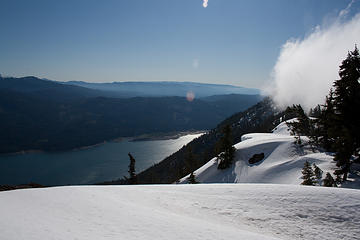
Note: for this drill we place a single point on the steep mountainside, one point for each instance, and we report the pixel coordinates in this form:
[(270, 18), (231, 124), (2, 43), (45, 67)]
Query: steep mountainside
[(262, 117), (281, 161)]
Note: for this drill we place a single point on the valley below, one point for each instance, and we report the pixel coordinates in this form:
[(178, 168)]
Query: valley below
[(104, 162)]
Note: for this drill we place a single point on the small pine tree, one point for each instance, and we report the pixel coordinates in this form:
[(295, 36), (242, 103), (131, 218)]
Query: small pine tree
[(132, 179), (192, 179), (324, 123), (190, 163), (226, 157), (318, 174), (329, 181), (315, 112), (308, 174), (338, 174), (301, 127)]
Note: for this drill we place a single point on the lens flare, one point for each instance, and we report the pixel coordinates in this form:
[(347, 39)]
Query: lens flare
[(190, 96), (205, 3)]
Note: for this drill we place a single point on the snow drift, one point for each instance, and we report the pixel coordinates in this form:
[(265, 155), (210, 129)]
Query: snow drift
[(282, 163)]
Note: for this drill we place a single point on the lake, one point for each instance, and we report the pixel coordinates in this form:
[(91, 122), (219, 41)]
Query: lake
[(105, 162)]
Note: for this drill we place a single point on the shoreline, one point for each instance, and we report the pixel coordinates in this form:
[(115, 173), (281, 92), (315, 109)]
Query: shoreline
[(165, 136), (86, 147), (22, 152), (140, 138)]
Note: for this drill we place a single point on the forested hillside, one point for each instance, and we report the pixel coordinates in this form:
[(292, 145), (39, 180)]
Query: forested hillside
[(262, 117), (39, 114)]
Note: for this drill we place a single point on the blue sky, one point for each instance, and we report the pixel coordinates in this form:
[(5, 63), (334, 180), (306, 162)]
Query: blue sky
[(231, 41)]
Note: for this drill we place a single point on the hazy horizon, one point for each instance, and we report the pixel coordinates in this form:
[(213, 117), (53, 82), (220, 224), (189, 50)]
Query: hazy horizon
[(154, 81), (232, 42)]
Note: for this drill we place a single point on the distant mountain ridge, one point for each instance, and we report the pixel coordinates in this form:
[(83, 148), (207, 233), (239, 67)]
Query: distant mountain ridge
[(163, 89), (71, 89), (38, 114), (44, 88)]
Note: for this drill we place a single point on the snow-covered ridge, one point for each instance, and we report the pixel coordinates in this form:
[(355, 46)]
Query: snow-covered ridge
[(282, 163), (204, 211)]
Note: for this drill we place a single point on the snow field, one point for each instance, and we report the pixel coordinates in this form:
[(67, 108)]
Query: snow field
[(206, 211)]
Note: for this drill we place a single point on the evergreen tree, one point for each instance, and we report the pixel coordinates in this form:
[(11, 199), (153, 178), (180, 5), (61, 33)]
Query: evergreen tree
[(308, 174), (338, 174), (301, 127), (315, 112), (190, 165), (189, 160), (324, 123), (318, 174), (227, 154), (329, 181), (132, 179), (346, 127), (192, 179)]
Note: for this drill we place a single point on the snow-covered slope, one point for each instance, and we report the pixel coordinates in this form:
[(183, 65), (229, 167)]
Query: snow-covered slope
[(202, 211), (282, 163), (206, 211)]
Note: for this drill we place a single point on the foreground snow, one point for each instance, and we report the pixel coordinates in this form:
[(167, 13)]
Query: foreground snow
[(207, 211), (282, 164)]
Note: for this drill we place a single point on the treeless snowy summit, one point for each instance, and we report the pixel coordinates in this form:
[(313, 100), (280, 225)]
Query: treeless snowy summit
[(206, 211)]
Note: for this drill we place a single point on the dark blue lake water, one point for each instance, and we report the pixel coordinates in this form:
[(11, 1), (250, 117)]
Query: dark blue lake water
[(96, 164)]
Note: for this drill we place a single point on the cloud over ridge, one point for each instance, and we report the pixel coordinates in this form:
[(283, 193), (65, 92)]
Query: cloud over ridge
[(306, 68)]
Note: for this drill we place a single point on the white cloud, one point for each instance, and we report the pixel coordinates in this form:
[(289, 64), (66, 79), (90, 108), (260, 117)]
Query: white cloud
[(306, 68), (345, 11)]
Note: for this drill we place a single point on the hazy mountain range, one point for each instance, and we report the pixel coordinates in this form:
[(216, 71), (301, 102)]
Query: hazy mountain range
[(47, 115), (161, 89)]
